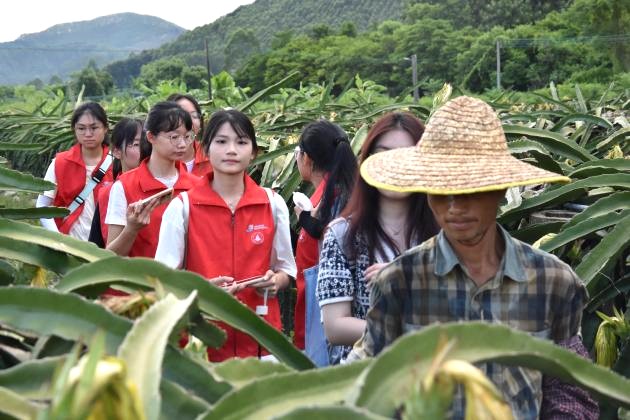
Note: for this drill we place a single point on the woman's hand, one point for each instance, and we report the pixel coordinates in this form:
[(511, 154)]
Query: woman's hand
[(139, 214), (273, 282), (227, 283), (371, 272)]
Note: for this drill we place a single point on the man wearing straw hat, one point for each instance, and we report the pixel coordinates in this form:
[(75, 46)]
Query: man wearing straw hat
[(473, 269)]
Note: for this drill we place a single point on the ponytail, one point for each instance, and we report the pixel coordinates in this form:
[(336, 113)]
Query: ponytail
[(341, 178), (327, 145)]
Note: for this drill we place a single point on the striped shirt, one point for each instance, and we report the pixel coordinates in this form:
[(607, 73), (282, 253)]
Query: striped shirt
[(532, 291)]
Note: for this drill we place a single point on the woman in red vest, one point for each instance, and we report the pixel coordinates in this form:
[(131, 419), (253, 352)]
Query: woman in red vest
[(195, 159), (126, 144), (230, 229), (325, 159), (133, 226), (71, 171)]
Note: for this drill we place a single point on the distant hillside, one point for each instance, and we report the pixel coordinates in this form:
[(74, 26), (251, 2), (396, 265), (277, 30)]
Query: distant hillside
[(66, 48), (263, 18)]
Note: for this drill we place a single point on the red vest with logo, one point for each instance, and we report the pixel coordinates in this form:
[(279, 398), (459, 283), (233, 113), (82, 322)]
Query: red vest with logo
[(70, 175), (306, 256), (202, 165), (238, 245), (139, 183)]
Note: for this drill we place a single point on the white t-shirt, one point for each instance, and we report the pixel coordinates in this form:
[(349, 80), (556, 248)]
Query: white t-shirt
[(171, 244), (117, 206), (81, 228), (190, 164)]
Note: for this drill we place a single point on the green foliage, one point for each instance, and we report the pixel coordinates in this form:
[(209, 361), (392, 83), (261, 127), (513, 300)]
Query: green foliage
[(606, 17), (385, 382), (165, 69), (213, 301), (259, 22), (455, 42), (580, 133), (483, 14), (95, 82), (143, 348), (242, 43)]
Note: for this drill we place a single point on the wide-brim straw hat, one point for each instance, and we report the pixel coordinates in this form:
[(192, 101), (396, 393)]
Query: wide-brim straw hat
[(463, 150)]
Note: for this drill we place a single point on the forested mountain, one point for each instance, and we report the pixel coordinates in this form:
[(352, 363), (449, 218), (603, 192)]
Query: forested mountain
[(456, 41), (66, 48), (250, 29)]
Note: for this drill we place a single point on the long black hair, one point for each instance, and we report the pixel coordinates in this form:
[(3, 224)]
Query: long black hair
[(123, 135), (362, 209), (327, 145)]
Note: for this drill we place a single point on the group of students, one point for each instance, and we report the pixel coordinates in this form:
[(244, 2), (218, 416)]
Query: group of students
[(225, 227), (442, 192)]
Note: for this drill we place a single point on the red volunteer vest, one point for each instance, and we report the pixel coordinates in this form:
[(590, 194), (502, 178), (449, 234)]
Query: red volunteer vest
[(237, 245), (139, 183), (202, 165), (70, 175), (306, 256)]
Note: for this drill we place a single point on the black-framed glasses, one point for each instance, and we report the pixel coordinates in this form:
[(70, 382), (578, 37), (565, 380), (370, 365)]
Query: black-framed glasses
[(176, 138)]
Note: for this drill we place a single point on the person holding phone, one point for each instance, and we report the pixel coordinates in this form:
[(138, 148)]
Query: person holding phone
[(73, 169), (195, 159), (128, 146), (227, 229), (133, 224)]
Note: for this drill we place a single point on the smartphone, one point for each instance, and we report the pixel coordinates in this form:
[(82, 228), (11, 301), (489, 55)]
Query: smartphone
[(248, 281), (162, 197)]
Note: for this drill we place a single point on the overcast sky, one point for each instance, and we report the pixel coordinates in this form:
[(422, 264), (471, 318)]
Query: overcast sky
[(23, 16)]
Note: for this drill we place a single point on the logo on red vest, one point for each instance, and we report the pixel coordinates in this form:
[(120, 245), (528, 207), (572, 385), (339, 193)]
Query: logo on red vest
[(257, 238), (252, 228)]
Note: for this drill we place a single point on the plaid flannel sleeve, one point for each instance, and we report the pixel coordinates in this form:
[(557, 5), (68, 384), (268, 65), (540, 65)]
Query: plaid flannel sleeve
[(568, 298), (565, 401), (383, 320)]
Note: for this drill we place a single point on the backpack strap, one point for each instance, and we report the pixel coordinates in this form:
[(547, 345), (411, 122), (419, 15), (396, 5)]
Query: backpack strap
[(97, 177)]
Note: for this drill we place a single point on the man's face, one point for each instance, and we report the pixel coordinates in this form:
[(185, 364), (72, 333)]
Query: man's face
[(466, 218)]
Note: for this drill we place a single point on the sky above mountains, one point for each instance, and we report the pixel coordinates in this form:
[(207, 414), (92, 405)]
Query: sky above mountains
[(25, 17)]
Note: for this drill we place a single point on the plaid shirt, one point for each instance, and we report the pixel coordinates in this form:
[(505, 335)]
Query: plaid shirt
[(532, 291)]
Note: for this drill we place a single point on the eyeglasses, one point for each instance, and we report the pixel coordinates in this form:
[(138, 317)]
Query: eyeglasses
[(176, 138), (82, 129)]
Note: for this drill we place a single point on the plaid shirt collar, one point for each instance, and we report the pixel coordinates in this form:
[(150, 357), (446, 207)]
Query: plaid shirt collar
[(511, 265)]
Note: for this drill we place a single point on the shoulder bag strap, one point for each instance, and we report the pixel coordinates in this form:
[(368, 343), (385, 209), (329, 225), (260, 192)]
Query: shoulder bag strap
[(96, 178)]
